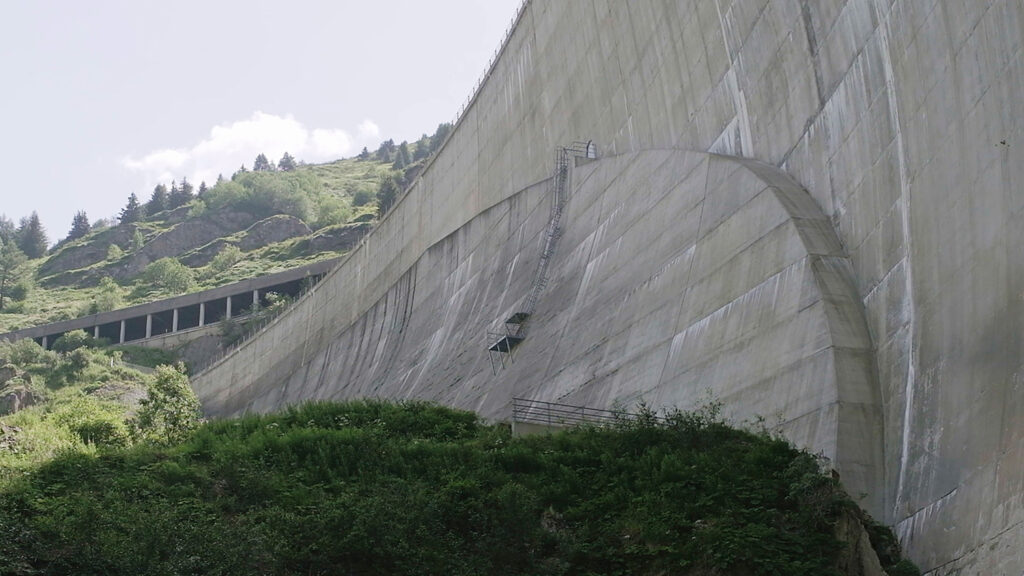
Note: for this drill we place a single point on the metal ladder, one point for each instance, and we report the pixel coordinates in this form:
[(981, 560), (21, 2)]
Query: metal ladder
[(559, 195)]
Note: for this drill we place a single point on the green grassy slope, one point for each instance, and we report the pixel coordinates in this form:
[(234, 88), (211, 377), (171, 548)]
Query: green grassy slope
[(320, 195)]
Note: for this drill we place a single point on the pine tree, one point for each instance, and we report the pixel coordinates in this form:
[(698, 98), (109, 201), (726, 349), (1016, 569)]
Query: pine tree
[(11, 258), (364, 155), (32, 238), (387, 193), (386, 152), (158, 201), (79, 226), (133, 211), (180, 195), (202, 188), (422, 149), (287, 163), (439, 135), (8, 232), (261, 164), (404, 154)]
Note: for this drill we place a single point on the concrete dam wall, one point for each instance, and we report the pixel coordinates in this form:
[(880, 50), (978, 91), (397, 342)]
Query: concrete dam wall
[(812, 209)]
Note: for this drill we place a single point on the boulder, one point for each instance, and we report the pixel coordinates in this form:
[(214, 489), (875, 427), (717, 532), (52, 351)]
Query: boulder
[(15, 398), (7, 373)]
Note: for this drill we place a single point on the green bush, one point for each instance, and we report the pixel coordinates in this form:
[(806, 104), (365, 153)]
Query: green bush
[(376, 488), (168, 275), (72, 341), (171, 410)]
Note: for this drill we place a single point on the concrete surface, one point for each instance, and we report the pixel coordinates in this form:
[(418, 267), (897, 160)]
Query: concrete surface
[(903, 121)]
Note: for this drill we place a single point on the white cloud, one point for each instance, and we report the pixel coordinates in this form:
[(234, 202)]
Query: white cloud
[(369, 130), (228, 146)]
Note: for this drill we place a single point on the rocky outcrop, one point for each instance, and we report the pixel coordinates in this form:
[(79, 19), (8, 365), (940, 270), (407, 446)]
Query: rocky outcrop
[(205, 254), (271, 230), (337, 238), (15, 398), (88, 253), (7, 373), (8, 436), (182, 238), (856, 557)]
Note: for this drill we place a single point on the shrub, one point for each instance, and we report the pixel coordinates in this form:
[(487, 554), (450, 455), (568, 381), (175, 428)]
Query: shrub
[(72, 341), (171, 411), (169, 275)]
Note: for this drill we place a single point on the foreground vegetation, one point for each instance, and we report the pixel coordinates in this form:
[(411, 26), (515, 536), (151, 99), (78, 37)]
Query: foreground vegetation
[(377, 488)]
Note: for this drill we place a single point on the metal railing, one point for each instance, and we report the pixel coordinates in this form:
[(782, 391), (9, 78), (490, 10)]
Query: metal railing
[(556, 414)]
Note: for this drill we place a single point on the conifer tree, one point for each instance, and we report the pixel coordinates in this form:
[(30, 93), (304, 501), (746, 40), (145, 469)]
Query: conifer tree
[(79, 226), (8, 232), (287, 163), (11, 258), (422, 149), (364, 155), (180, 195), (158, 201), (32, 238), (133, 211), (387, 193), (261, 164), (202, 188)]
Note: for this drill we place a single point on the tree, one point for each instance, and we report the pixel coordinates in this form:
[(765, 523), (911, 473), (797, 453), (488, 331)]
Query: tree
[(32, 238), (386, 194), (422, 149), (202, 189), (158, 201), (261, 164), (439, 136), (170, 412), (364, 155), (11, 259), (108, 297), (133, 211), (8, 231), (79, 226), (386, 152), (169, 275), (287, 163), (404, 154), (180, 195), (241, 170)]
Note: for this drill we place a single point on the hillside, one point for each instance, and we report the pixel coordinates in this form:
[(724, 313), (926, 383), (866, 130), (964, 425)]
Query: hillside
[(256, 223), (95, 479)]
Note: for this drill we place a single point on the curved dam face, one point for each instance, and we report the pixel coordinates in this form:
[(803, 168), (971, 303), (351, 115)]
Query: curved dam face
[(840, 253)]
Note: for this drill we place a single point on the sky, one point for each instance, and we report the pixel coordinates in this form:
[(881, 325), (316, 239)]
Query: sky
[(101, 99)]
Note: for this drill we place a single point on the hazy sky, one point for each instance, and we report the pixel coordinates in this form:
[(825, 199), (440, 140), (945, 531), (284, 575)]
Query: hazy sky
[(100, 99)]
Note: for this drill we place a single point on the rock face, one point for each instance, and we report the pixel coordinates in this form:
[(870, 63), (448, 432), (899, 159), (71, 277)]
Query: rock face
[(857, 557), (273, 229), (183, 237), (16, 398), (88, 253), (338, 238)]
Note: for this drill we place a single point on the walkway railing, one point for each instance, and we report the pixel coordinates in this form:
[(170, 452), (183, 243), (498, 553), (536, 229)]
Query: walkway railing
[(556, 414)]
